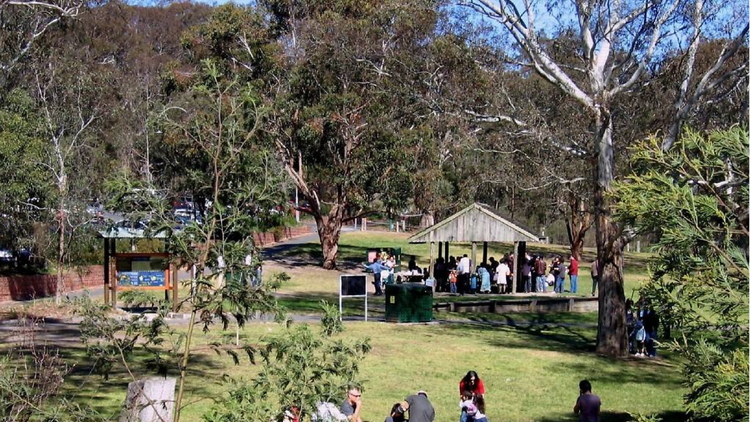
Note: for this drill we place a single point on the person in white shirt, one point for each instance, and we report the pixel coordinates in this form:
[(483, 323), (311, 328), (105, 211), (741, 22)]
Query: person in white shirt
[(464, 272), (503, 271)]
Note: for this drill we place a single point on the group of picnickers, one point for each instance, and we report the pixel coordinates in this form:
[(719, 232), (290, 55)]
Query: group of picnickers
[(537, 275), (459, 276)]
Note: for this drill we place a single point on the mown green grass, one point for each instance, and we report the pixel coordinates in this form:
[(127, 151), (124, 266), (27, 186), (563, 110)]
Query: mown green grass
[(531, 373)]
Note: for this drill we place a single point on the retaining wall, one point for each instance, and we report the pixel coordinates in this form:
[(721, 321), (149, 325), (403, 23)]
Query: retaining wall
[(537, 305), (25, 287), (267, 238)]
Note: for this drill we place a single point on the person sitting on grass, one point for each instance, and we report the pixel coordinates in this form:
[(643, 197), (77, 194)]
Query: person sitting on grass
[(588, 404), (352, 405), (396, 415), (419, 407)]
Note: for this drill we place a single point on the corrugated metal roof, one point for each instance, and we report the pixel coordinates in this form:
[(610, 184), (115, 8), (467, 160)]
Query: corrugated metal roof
[(475, 223)]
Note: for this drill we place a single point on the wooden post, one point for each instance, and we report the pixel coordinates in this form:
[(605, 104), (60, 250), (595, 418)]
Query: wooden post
[(484, 253), (364, 224), (440, 250), (175, 287), (113, 274), (473, 256), (106, 271), (515, 268), (432, 260), (447, 252), (520, 255)]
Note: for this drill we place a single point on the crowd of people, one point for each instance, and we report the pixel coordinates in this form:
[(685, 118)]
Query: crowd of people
[(418, 408), (536, 275)]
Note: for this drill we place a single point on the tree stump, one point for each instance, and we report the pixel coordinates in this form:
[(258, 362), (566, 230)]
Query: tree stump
[(149, 400)]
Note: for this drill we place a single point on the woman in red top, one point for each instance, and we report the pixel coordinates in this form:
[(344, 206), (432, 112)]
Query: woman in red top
[(471, 382)]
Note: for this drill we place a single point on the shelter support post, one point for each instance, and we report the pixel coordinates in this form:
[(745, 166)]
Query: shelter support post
[(484, 253), (113, 274), (447, 251), (520, 255), (514, 266), (440, 250), (473, 256), (106, 271), (432, 259)]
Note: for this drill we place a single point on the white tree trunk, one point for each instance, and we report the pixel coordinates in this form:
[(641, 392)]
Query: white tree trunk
[(149, 400)]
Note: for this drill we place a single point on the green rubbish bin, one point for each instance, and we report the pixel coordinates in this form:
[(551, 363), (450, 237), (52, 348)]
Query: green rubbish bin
[(408, 302)]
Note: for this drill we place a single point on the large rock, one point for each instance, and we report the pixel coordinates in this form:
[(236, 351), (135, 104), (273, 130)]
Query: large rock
[(149, 400)]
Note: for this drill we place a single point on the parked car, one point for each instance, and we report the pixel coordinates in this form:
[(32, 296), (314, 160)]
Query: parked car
[(6, 256)]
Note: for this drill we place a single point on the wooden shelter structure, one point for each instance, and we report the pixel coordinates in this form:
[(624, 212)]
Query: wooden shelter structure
[(473, 224)]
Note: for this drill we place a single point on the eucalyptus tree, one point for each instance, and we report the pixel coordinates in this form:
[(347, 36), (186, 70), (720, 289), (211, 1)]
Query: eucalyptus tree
[(619, 41)]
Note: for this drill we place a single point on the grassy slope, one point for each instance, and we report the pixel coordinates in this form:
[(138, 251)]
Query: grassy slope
[(530, 374)]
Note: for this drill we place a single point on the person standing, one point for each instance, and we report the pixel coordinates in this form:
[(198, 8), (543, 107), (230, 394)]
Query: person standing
[(588, 404), (352, 405), (540, 267), (377, 268), (419, 407), (573, 272), (464, 272), (594, 276), (526, 274), (503, 272), (560, 276)]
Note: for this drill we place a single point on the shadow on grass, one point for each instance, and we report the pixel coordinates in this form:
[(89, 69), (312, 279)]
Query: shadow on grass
[(670, 416), (309, 304), (106, 396)]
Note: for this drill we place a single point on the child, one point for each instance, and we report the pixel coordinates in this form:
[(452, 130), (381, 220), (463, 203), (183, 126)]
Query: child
[(453, 279), (473, 284), (640, 339), (467, 405), (472, 407), (551, 279)]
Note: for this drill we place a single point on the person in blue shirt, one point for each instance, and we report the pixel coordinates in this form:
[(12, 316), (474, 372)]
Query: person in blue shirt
[(376, 267)]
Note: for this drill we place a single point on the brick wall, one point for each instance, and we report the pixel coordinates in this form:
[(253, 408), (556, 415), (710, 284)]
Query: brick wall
[(24, 287), (267, 238)]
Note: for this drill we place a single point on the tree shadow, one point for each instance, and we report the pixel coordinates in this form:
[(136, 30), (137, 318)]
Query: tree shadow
[(608, 416)]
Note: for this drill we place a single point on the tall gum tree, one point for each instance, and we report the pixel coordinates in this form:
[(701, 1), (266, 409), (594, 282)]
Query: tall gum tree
[(619, 40)]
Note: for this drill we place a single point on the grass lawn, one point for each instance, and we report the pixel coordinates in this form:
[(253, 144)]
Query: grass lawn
[(531, 374)]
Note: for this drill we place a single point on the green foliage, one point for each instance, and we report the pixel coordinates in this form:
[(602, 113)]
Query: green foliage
[(639, 417), (300, 368), (111, 341), (24, 186), (694, 197), (31, 379), (143, 298)]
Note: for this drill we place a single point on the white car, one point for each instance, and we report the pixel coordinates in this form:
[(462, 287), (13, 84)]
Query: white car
[(6, 256)]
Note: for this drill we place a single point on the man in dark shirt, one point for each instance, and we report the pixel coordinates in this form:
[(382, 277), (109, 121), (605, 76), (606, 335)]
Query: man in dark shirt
[(352, 405), (588, 404), (419, 407)]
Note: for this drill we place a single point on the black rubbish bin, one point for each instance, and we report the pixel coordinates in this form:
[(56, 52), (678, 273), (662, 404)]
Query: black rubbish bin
[(408, 302)]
